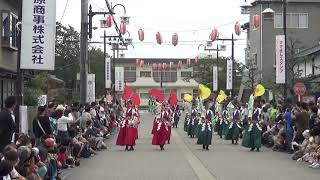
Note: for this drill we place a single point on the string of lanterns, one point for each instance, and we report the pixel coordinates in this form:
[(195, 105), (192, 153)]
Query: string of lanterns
[(214, 35)]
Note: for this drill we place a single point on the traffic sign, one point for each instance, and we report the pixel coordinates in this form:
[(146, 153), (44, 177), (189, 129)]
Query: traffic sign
[(299, 89)]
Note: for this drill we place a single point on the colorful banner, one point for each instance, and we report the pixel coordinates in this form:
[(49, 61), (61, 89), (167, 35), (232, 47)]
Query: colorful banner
[(229, 74), (108, 72), (119, 78), (38, 34), (215, 78), (91, 88), (280, 59)]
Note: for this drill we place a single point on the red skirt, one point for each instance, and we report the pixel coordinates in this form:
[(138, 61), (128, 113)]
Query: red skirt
[(154, 127), (121, 136), (160, 136), (131, 136), (169, 133)]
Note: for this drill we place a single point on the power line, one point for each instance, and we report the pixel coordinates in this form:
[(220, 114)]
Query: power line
[(65, 8)]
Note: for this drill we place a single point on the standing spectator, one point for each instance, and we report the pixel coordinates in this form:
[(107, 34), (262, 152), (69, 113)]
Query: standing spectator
[(85, 117), (301, 122), (7, 122), (41, 124), (51, 109), (289, 128), (62, 124)]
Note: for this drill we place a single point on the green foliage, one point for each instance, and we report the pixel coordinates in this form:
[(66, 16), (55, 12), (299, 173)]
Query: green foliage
[(67, 54), (75, 95), (314, 87), (35, 88), (97, 67)]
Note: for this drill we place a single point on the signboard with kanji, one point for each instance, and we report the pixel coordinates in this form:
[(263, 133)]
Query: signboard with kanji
[(38, 34)]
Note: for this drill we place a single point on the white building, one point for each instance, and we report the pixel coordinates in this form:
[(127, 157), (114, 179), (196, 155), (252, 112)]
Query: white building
[(142, 79)]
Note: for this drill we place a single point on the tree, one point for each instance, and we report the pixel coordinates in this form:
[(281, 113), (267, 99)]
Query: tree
[(35, 88), (250, 75), (67, 54), (97, 67)]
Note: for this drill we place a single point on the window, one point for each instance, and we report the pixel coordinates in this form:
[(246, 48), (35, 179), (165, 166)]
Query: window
[(145, 73), (9, 32), (130, 74), (294, 20), (186, 74), (165, 76)]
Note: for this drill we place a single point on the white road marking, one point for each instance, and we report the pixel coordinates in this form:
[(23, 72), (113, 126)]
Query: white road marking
[(199, 169)]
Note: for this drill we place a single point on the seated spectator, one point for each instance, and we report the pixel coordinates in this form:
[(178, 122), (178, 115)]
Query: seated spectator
[(27, 166), (94, 136), (11, 155), (279, 140), (267, 137), (5, 168), (80, 146), (300, 149)]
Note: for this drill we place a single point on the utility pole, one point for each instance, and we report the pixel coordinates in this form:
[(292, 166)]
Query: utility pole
[(19, 80), (217, 64), (83, 51), (233, 69), (233, 61), (284, 15)]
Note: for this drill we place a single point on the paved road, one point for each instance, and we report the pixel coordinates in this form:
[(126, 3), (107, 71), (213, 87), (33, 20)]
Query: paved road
[(185, 160)]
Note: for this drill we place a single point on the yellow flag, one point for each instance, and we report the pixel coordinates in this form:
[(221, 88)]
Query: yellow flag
[(187, 97), (205, 92), (260, 90)]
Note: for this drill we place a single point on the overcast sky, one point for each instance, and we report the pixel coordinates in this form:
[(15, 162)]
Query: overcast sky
[(192, 20)]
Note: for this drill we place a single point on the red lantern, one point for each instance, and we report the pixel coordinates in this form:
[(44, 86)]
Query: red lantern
[(237, 28), (141, 63), (214, 35), (137, 62), (256, 21), (109, 21), (175, 39), (123, 28), (159, 38), (141, 34), (159, 66), (154, 66)]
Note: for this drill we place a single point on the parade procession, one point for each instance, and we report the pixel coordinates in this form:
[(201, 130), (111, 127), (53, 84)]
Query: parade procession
[(159, 90)]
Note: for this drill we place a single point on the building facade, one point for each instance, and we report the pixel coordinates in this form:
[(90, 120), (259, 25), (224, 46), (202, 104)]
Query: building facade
[(303, 30), (8, 48), (143, 78)]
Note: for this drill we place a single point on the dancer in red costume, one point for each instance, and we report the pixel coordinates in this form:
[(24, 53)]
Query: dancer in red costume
[(160, 135), (128, 129)]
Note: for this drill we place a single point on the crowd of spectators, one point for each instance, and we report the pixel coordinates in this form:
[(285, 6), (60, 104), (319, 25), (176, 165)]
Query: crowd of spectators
[(62, 136), (294, 129)]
